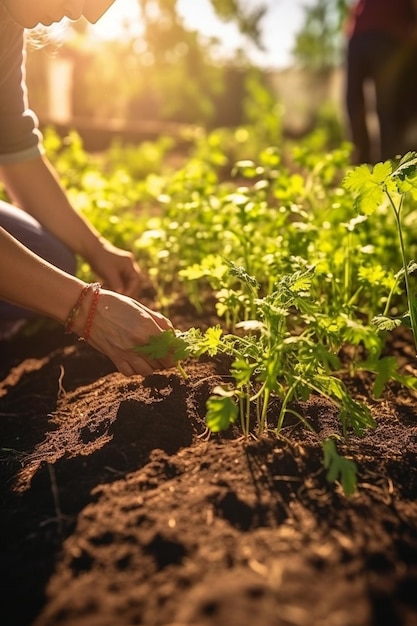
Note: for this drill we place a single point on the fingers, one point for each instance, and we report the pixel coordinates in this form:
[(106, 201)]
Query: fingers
[(125, 368), (132, 284), (138, 366), (126, 282), (132, 277), (121, 325), (163, 322), (118, 270), (131, 362)]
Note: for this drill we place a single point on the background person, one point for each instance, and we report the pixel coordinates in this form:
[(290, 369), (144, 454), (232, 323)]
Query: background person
[(41, 233), (381, 38)]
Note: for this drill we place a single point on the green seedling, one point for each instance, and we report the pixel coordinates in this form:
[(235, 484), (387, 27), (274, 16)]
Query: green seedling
[(165, 343), (339, 468), (386, 183), (268, 360)]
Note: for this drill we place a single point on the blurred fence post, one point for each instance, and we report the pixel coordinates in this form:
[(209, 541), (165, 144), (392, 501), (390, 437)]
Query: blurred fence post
[(59, 76)]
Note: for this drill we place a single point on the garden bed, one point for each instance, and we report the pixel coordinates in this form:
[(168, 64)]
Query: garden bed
[(120, 509)]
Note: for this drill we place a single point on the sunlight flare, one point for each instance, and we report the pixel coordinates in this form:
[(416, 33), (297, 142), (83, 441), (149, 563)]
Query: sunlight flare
[(122, 16)]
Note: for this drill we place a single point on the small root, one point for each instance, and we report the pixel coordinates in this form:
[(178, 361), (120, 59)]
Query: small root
[(205, 436)]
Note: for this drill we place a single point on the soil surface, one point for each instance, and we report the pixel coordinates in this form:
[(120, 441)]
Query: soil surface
[(118, 509)]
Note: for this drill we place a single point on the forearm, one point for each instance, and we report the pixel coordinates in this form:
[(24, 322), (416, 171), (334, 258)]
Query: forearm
[(28, 281), (111, 323), (34, 187)]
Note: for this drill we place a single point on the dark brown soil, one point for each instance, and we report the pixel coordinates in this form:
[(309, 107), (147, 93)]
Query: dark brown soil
[(117, 508)]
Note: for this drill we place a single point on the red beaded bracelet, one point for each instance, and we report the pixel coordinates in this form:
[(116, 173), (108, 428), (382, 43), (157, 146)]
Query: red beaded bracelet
[(96, 294), (69, 323)]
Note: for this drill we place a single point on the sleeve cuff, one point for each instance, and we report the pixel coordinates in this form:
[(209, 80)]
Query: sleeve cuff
[(24, 155)]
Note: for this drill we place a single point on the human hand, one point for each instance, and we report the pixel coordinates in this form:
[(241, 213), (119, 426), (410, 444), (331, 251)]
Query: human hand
[(116, 269), (120, 324)]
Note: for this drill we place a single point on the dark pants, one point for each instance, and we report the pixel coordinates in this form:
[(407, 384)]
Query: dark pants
[(29, 232), (382, 60)]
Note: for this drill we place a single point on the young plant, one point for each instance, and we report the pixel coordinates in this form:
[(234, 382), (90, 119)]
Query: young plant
[(371, 188), (278, 355)]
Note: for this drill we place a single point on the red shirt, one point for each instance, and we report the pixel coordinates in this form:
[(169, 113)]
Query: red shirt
[(394, 17)]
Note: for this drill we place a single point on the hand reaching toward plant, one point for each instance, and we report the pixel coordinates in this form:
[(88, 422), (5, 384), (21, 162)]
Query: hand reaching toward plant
[(119, 324), (112, 323), (34, 187), (116, 268)]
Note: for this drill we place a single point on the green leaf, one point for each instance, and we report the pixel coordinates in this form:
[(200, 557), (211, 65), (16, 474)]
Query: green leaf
[(356, 415), (383, 322), (252, 326), (407, 168), (273, 368), (368, 185), (210, 341), (239, 272), (161, 345), (339, 468), (198, 343), (387, 368), (247, 168), (222, 410), (239, 199), (301, 281), (242, 371)]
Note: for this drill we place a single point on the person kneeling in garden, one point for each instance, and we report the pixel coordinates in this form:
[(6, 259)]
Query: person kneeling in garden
[(41, 233)]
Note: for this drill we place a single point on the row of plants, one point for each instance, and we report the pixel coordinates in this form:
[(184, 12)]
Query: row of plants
[(303, 255)]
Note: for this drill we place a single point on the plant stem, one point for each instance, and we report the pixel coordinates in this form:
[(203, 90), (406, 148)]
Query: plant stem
[(182, 371), (283, 410), (411, 309)]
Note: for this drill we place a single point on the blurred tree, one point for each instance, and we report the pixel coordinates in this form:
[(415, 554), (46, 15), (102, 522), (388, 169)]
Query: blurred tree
[(318, 44), (165, 72), (170, 55), (247, 20)]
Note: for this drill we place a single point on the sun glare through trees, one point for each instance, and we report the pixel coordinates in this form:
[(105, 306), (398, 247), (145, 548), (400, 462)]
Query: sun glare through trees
[(121, 15)]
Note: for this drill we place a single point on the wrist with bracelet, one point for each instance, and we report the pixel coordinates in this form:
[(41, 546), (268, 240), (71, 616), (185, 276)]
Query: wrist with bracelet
[(69, 322)]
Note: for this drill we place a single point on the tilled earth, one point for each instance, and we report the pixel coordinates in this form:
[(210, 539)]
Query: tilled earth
[(118, 509)]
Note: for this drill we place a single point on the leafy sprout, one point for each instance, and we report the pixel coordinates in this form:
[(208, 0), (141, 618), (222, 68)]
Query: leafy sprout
[(373, 186)]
